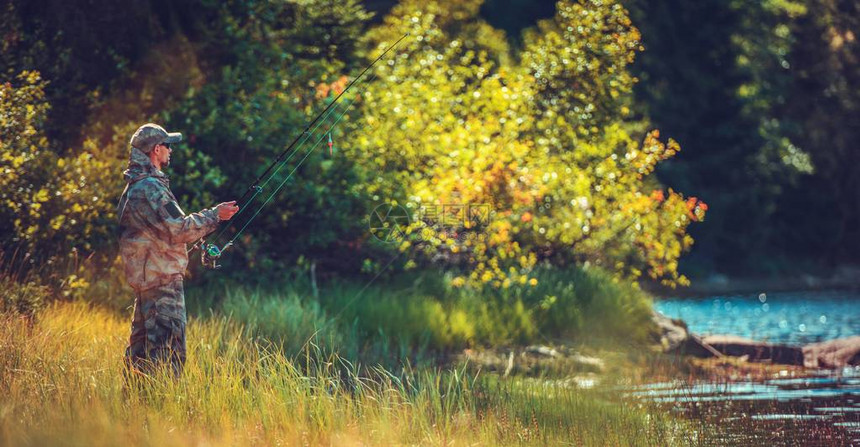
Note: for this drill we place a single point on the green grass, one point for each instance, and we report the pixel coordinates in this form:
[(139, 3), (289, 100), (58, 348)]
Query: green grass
[(61, 383), (354, 366), (417, 313)]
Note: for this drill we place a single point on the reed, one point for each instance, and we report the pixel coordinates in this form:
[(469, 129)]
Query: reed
[(62, 383)]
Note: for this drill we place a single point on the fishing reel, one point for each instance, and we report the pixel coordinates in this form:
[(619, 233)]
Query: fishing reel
[(210, 253)]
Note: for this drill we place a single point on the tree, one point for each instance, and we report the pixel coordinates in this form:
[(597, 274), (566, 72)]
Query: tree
[(823, 101), (543, 142), (288, 61), (760, 98), (51, 206)]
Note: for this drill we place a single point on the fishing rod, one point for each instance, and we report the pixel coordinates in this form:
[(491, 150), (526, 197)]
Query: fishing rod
[(211, 252)]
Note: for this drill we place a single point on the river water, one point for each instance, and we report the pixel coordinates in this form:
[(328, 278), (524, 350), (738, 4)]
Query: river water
[(785, 317), (819, 407)]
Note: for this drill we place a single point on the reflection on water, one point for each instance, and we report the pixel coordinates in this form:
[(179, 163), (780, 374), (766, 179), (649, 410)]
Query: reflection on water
[(823, 409), (779, 390), (785, 317)]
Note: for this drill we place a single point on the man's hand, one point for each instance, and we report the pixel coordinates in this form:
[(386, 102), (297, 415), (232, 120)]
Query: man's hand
[(226, 210)]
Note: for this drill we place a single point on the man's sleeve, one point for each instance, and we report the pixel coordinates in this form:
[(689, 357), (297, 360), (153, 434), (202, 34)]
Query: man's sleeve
[(159, 212)]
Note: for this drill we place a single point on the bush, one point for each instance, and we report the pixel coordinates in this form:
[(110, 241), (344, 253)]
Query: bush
[(417, 312), (51, 207), (545, 139), (22, 297), (589, 303)]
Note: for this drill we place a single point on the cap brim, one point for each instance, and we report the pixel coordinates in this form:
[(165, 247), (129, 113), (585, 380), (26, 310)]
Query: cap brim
[(173, 137)]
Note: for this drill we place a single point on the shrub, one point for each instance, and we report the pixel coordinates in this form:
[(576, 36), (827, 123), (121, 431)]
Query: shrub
[(544, 139)]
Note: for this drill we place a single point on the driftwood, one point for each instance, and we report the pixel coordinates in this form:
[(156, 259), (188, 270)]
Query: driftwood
[(673, 337), (832, 354), (756, 351)]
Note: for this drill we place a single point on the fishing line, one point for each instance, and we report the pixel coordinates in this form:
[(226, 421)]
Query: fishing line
[(259, 189), (360, 75), (211, 251), (347, 105), (287, 178)]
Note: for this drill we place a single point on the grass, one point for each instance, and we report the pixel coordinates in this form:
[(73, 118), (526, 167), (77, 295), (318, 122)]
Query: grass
[(357, 365), (61, 383), (419, 313)]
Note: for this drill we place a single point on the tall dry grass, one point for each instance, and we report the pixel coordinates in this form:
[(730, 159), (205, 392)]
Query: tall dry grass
[(62, 383)]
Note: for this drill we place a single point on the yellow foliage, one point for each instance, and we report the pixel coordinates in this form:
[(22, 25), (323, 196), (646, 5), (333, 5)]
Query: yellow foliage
[(542, 142), (49, 205)]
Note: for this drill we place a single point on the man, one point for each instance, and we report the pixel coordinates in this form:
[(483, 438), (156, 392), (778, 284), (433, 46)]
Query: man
[(154, 233)]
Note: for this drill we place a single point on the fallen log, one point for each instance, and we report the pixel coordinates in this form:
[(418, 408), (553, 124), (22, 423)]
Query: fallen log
[(834, 354), (755, 351)]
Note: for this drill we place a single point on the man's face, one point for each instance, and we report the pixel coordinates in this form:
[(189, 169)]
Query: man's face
[(162, 154)]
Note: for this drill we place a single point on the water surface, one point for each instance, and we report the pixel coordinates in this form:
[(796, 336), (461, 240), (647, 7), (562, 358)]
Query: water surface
[(784, 317), (820, 409)]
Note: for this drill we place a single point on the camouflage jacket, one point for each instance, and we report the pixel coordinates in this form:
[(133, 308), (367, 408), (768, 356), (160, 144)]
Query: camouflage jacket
[(153, 229)]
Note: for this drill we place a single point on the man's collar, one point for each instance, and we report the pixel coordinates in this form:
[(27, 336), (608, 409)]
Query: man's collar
[(140, 162)]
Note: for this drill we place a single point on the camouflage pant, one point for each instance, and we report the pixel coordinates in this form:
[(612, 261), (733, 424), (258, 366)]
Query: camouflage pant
[(158, 329)]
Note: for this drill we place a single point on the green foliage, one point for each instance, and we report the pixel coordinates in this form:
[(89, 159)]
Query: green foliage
[(579, 64), (763, 46), (589, 303), (544, 142), (456, 117), (83, 49), (756, 93), (689, 89), (239, 121), (21, 143), (417, 312), (51, 206), (823, 104), (19, 297)]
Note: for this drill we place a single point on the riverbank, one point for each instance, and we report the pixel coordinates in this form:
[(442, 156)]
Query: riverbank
[(726, 400), (62, 383), (772, 389)]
